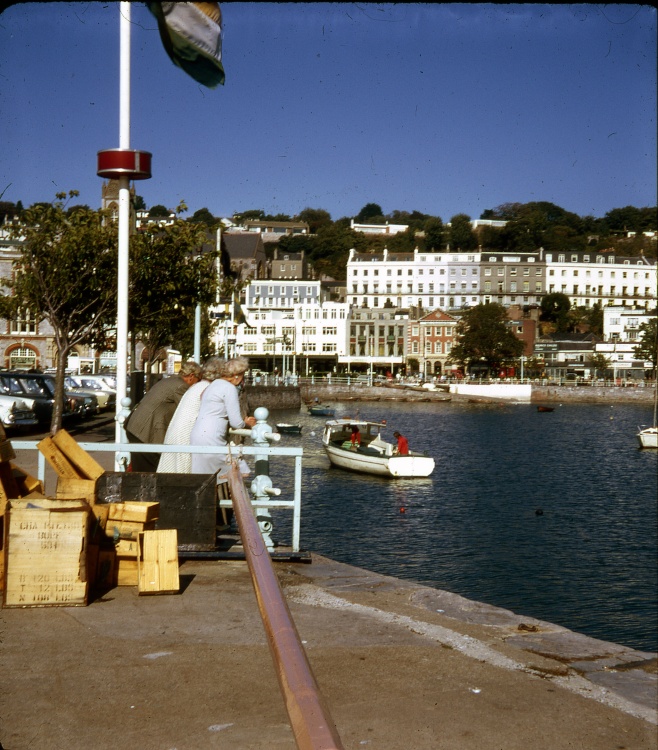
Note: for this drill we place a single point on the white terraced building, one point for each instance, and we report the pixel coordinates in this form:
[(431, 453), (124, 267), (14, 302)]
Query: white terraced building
[(453, 280), (588, 278), (621, 335)]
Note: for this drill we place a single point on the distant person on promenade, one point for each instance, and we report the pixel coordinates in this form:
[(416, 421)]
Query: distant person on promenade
[(403, 444), (220, 408), (150, 418)]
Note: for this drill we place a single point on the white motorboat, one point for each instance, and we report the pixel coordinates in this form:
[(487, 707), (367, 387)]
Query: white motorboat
[(373, 455)]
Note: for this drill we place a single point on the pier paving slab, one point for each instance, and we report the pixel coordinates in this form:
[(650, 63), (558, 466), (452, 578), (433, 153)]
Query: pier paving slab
[(192, 671)]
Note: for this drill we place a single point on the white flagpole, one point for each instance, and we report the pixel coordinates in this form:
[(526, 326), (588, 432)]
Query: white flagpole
[(124, 222)]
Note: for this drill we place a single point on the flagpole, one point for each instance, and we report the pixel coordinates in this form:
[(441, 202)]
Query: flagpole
[(124, 222)]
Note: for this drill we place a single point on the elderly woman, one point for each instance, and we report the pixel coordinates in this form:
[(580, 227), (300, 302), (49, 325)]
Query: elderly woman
[(180, 427), (219, 409)]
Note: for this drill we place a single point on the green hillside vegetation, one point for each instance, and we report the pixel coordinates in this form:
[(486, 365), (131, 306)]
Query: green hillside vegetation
[(530, 226)]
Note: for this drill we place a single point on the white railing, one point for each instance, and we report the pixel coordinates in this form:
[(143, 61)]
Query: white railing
[(233, 451)]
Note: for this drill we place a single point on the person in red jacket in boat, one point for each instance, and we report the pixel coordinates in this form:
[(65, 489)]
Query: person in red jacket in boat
[(403, 444)]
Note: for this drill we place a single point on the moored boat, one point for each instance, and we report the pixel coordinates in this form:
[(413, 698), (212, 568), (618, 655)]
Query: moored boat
[(373, 455), (289, 429), (648, 437), (320, 410), (545, 408)]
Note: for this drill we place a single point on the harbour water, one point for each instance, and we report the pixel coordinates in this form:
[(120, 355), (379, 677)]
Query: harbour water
[(552, 515)]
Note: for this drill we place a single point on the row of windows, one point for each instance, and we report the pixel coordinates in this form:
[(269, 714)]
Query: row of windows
[(611, 274), (436, 347)]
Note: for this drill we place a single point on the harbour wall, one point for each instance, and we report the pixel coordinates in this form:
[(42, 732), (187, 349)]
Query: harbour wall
[(292, 397)]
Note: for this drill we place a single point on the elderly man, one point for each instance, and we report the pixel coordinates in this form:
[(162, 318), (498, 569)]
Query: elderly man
[(150, 418)]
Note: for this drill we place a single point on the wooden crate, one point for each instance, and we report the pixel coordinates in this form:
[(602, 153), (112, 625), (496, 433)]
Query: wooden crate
[(86, 466), (57, 459), (46, 553), (126, 529), (6, 451), (126, 572), (134, 510), (25, 482), (69, 488), (127, 548), (158, 562)]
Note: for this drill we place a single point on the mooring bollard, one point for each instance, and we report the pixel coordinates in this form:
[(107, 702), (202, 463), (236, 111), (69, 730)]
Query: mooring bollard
[(261, 487), (121, 460)]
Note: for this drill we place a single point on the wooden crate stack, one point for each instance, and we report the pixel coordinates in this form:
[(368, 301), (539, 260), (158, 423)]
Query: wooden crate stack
[(101, 544)]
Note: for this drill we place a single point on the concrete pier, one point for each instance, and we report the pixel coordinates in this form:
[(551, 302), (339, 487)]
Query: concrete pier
[(401, 666)]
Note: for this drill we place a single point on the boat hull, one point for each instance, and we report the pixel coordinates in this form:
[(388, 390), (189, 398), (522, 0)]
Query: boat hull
[(289, 429), (385, 466), (648, 438)]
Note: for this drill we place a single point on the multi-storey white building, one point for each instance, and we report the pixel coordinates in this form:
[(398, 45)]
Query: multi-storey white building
[(281, 293), (449, 280), (621, 334), (308, 337), (588, 278)]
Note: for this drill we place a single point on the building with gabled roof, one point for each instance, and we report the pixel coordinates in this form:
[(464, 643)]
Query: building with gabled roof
[(247, 254)]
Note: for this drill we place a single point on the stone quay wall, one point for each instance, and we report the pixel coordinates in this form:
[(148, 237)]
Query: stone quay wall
[(292, 397), (592, 394)]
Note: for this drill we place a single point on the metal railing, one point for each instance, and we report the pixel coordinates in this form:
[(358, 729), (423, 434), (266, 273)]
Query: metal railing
[(124, 449), (309, 717)]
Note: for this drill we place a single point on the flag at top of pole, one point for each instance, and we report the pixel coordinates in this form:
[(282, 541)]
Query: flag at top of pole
[(192, 36)]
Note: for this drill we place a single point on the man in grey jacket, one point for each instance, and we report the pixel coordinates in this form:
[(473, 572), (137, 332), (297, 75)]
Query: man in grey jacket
[(150, 418)]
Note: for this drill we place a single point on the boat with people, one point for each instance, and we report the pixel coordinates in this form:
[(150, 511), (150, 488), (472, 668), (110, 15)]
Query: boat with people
[(357, 445)]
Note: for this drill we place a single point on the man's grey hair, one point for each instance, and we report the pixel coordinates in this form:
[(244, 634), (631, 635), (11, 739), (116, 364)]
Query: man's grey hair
[(190, 368)]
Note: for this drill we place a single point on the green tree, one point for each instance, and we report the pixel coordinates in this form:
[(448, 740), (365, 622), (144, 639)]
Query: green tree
[(647, 349), (370, 212), (65, 274), (169, 274), (203, 216), (483, 336), (138, 203), (461, 235), (159, 211), (434, 234), (315, 218), (555, 309), (599, 363)]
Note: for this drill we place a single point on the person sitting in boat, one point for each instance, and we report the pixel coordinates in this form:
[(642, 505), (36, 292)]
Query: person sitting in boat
[(403, 444), (355, 437)]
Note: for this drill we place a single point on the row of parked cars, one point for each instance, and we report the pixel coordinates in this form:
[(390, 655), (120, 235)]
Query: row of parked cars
[(27, 398)]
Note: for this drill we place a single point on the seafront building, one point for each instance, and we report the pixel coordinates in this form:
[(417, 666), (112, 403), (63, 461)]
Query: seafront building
[(393, 311)]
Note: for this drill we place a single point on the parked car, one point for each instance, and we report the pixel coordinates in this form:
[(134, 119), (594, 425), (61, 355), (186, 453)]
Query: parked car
[(15, 413), (37, 390), (85, 385)]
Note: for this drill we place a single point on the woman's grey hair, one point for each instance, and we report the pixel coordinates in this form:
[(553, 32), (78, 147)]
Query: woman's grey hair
[(215, 367), (236, 366)]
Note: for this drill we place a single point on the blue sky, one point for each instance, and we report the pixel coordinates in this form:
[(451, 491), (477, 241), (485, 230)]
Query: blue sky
[(440, 108)]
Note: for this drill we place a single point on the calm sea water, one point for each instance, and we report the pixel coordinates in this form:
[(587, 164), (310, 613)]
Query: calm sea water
[(588, 562)]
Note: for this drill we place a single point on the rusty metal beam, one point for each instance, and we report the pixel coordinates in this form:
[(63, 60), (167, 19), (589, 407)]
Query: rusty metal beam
[(310, 720)]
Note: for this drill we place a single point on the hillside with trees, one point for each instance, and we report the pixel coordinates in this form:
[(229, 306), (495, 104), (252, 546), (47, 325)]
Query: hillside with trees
[(529, 227)]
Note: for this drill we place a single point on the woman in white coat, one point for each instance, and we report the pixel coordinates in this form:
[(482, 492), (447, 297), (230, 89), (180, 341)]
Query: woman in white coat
[(219, 409)]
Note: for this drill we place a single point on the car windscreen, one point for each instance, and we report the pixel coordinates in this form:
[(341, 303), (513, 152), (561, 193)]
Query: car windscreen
[(11, 385)]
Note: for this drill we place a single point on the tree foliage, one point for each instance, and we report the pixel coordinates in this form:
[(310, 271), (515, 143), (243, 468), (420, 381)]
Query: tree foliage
[(647, 349), (170, 272), (555, 309), (369, 213), (65, 274), (483, 336), (461, 234)]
